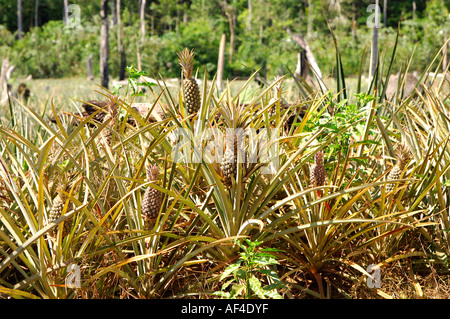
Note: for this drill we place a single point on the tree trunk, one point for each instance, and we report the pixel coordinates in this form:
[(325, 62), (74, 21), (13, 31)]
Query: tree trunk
[(142, 20), (414, 18), (338, 8), (185, 12), (302, 69), (221, 61), (66, 11), (249, 22), (90, 76), (36, 13), (229, 12), (231, 39), (120, 44), (113, 13), (375, 39), (260, 22), (130, 22), (310, 19), (138, 54), (19, 19), (309, 56), (177, 19), (104, 44), (385, 13)]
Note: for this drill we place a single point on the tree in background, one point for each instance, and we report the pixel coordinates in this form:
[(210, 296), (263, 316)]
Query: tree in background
[(19, 19), (123, 60), (142, 19), (36, 13), (104, 44), (66, 11), (255, 31)]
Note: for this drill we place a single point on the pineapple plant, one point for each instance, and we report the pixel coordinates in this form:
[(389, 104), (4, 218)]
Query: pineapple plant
[(152, 200), (191, 89), (112, 110), (403, 155), (236, 119), (294, 112), (277, 94)]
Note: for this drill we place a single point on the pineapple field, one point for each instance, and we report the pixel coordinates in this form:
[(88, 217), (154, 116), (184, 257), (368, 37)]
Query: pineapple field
[(286, 190)]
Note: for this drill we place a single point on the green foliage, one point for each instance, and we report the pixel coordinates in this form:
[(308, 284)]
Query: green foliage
[(50, 50), (54, 51), (345, 114), (133, 80), (250, 271)]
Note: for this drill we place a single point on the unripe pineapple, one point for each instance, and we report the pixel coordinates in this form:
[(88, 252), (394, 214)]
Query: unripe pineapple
[(55, 213), (57, 207), (113, 114), (230, 158), (403, 154), (151, 203), (191, 89), (317, 171)]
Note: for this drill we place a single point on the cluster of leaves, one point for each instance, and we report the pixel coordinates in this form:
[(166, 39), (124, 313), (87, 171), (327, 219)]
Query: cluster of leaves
[(253, 264), (345, 118)]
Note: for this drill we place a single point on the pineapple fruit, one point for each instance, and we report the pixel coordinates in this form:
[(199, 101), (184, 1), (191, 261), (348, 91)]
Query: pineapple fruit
[(403, 154), (191, 89), (152, 200), (317, 171), (230, 159), (56, 211)]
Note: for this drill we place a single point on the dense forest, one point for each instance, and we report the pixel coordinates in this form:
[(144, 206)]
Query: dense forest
[(39, 42)]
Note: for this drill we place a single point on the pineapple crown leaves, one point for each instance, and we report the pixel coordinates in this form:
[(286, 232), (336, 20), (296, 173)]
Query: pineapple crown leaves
[(113, 107), (278, 85), (152, 172), (403, 153), (186, 61), (236, 115), (67, 181), (318, 158)]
